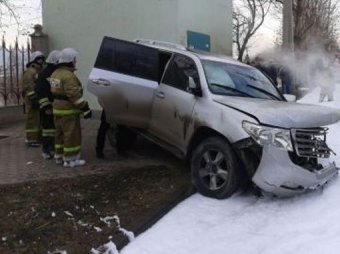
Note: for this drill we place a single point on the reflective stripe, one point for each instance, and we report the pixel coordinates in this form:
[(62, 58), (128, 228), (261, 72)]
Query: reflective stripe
[(66, 112), (48, 133), (77, 102), (58, 146), (49, 130), (29, 94), (71, 149), (31, 130), (42, 105), (87, 112), (43, 100)]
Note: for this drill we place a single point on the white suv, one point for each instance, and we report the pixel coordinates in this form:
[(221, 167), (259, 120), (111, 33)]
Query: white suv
[(225, 118)]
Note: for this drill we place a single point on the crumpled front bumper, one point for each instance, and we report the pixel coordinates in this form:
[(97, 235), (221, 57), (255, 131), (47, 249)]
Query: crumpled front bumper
[(278, 175)]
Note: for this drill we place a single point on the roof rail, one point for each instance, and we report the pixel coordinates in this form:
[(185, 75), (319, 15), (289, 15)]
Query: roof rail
[(161, 43)]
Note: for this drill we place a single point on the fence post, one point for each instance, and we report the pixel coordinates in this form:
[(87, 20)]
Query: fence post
[(5, 94), (39, 40)]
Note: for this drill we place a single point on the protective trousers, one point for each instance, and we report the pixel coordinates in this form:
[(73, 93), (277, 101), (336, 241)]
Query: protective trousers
[(48, 132), (67, 137), (32, 123)]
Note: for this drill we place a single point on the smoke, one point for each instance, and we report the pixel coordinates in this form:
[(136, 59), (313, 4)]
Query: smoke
[(310, 69)]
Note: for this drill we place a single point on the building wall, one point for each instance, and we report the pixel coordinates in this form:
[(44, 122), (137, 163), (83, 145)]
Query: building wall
[(83, 23), (211, 17)]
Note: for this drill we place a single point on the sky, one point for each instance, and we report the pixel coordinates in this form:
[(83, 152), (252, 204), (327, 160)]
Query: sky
[(29, 13)]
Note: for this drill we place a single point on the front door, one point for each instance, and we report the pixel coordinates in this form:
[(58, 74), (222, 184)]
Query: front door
[(174, 103), (124, 79)]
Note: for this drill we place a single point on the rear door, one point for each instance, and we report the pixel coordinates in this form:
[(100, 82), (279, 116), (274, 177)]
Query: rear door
[(124, 78)]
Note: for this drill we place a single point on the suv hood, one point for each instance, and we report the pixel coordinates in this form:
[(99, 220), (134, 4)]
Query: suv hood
[(281, 113)]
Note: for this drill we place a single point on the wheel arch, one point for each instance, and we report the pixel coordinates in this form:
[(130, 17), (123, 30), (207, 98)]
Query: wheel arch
[(199, 135)]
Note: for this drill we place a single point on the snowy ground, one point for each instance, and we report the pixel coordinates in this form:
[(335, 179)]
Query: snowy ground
[(308, 223)]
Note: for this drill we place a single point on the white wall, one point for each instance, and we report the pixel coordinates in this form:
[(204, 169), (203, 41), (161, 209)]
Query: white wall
[(83, 23), (211, 17)]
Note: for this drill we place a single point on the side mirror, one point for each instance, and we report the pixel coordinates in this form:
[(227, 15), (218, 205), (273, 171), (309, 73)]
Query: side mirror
[(194, 88), (290, 97)]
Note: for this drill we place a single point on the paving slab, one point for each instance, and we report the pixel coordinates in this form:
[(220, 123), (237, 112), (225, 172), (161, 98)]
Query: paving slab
[(19, 163)]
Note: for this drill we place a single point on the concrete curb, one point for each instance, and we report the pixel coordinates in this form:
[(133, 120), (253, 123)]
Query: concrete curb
[(11, 114)]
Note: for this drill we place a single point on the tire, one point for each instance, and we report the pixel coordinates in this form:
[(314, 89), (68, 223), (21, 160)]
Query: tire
[(214, 168)]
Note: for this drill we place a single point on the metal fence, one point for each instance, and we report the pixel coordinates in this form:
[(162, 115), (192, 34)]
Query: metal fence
[(13, 60)]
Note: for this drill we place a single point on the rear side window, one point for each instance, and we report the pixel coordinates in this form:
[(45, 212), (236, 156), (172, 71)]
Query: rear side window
[(128, 58)]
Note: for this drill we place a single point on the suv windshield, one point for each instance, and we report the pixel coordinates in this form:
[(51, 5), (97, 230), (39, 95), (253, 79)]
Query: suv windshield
[(236, 80)]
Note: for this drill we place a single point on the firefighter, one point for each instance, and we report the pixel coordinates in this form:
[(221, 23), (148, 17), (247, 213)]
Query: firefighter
[(45, 99), (68, 105), (30, 98)]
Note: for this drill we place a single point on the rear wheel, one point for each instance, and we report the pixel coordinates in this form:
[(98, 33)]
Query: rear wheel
[(214, 168)]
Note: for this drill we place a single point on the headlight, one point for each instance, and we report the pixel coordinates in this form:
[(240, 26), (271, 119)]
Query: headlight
[(268, 136)]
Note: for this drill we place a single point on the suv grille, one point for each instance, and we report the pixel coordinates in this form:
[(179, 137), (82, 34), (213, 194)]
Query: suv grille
[(311, 143)]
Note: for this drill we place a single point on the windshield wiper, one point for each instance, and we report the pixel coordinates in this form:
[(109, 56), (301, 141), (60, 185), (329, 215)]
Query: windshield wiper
[(264, 91), (232, 89), (257, 88)]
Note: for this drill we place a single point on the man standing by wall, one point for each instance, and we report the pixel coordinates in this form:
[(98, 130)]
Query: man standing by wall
[(45, 99), (67, 106), (30, 97)]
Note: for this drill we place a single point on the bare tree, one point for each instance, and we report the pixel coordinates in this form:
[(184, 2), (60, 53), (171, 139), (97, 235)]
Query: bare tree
[(315, 22), (248, 17), (8, 9)]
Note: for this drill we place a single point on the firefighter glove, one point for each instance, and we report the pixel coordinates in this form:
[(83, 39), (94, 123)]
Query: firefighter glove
[(86, 111)]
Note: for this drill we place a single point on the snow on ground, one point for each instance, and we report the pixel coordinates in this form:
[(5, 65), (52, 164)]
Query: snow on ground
[(244, 224)]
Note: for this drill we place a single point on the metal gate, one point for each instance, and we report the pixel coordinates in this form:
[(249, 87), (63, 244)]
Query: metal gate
[(13, 61)]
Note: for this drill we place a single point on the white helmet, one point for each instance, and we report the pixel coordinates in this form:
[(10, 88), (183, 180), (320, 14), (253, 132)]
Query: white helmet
[(68, 55), (35, 55), (53, 57)]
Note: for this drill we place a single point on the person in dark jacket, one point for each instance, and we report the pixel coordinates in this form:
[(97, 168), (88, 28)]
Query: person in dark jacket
[(45, 99), (268, 68), (101, 135)]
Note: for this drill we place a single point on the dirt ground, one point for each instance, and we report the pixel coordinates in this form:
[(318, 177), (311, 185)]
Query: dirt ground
[(68, 214), (45, 208)]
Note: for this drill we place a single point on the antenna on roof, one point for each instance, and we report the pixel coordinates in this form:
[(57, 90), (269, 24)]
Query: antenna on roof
[(161, 43)]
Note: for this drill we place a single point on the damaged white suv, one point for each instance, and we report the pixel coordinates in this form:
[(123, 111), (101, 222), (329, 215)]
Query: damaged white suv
[(225, 118)]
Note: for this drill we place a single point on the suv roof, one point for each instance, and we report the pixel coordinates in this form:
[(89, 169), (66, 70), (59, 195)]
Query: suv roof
[(178, 48)]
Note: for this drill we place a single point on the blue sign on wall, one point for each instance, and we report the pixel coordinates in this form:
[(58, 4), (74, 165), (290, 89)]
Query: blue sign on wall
[(198, 41)]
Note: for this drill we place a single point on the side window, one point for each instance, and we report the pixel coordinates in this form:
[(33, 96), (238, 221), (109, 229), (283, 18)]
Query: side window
[(179, 71), (128, 58)]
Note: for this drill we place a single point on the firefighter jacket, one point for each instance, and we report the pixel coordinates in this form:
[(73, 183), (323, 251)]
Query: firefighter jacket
[(43, 87), (29, 79), (67, 92)]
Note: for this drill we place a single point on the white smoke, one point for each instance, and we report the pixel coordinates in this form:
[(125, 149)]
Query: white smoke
[(310, 69)]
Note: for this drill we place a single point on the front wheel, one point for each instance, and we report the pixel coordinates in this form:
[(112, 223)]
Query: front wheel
[(214, 168)]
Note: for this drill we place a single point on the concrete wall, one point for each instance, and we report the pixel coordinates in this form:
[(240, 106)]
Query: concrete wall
[(83, 23), (211, 17)]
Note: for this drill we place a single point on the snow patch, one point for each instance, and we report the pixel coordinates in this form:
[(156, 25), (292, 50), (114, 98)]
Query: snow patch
[(98, 229), (68, 213), (108, 248), (58, 252), (108, 221)]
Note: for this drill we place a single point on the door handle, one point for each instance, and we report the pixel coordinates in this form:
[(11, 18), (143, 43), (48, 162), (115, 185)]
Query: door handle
[(160, 95), (101, 82)]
